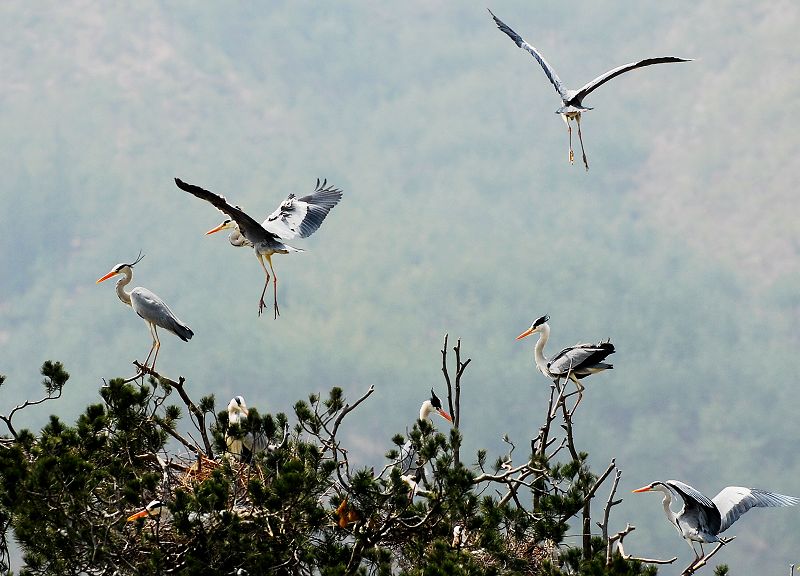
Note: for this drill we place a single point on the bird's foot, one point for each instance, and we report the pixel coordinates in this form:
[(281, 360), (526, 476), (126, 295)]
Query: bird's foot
[(277, 310), (571, 157), (585, 162), (261, 306)]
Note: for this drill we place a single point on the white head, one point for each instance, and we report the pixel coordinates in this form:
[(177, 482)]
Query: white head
[(227, 224), (433, 405), (154, 509), (121, 268), (237, 410), (538, 325)]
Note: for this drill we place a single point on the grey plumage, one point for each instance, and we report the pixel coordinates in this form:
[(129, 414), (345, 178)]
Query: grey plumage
[(702, 520), (294, 217), (152, 309), (572, 100)]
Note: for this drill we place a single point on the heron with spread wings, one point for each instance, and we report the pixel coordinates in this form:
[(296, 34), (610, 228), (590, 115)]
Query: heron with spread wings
[(703, 520), (295, 217), (572, 100)]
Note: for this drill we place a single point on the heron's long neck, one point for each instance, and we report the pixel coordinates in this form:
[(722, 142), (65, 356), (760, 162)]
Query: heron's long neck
[(425, 410), (538, 351), (121, 283), (668, 510), (236, 239)]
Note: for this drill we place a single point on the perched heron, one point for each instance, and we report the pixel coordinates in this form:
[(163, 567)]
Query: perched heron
[(155, 509), (408, 455), (245, 445), (572, 100), (702, 520), (295, 217), (150, 307), (576, 362)]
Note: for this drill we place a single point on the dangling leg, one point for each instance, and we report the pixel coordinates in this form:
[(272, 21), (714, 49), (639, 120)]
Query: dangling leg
[(569, 131), (261, 304), (274, 286), (157, 345), (585, 162)]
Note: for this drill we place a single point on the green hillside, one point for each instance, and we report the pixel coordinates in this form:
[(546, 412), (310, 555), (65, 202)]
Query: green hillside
[(460, 215)]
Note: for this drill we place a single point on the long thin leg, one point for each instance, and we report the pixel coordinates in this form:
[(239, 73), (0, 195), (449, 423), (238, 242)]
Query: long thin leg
[(157, 345), (153, 346), (274, 286), (261, 304), (585, 162), (581, 388), (569, 131)]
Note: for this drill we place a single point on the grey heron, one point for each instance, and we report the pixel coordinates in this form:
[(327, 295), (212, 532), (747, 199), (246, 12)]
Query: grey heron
[(572, 100), (295, 217), (702, 520), (576, 362), (244, 445), (149, 306), (408, 454), (155, 509)]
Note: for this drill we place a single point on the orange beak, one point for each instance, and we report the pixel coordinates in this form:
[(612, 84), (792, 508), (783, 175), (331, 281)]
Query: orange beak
[(217, 229), (526, 333), (106, 277), (140, 514), (643, 489), (445, 415)]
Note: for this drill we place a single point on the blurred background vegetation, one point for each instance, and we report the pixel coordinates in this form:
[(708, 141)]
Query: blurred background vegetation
[(461, 215)]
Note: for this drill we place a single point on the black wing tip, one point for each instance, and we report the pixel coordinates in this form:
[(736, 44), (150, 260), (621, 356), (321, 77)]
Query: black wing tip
[(503, 27)]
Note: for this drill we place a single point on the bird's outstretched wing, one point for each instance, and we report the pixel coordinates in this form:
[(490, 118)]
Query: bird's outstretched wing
[(250, 229), (734, 501), (303, 216), (603, 78), (548, 70), (579, 356)]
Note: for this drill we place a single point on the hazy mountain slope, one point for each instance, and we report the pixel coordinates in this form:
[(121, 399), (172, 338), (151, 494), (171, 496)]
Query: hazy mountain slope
[(460, 215)]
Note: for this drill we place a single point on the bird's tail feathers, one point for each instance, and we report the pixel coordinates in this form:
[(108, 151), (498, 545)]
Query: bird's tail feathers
[(183, 332)]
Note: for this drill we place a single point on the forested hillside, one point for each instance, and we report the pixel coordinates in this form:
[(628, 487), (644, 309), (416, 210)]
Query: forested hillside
[(460, 215)]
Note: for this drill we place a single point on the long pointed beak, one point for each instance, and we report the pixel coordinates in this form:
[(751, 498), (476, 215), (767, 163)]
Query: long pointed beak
[(445, 415), (526, 333), (643, 489), (217, 229), (140, 514), (106, 277)]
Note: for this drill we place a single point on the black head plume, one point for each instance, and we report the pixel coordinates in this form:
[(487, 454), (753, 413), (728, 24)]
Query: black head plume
[(541, 320), (435, 402), (138, 259)]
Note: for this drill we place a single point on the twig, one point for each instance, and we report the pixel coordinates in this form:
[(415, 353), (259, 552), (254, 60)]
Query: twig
[(619, 536), (199, 415), (700, 562)]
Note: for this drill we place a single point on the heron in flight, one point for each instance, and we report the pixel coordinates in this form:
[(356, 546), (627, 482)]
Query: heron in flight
[(576, 362), (150, 307), (702, 520), (243, 447), (295, 217), (572, 100)]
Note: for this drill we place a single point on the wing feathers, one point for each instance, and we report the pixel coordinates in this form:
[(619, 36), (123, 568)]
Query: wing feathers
[(603, 78), (548, 70), (303, 216), (734, 501)]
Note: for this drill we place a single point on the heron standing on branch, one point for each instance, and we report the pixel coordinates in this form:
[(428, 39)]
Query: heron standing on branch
[(150, 307), (572, 100), (295, 217), (576, 362), (702, 520)]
